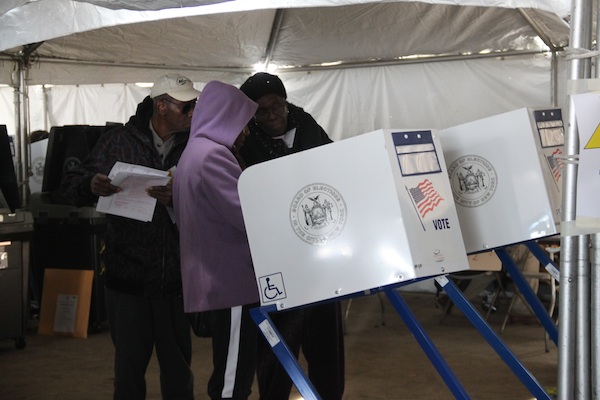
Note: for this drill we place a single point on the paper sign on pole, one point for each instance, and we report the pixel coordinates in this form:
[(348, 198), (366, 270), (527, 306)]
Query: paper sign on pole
[(587, 113)]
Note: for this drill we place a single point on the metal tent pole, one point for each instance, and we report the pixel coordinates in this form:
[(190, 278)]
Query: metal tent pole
[(595, 288), (582, 329), (580, 11), (594, 272), (25, 166), (22, 119), (582, 342), (20, 83)]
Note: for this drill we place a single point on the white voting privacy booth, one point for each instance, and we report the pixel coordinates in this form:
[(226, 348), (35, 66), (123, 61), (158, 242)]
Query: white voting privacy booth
[(505, 174), (354, 215), (370, 212), (506, 177)]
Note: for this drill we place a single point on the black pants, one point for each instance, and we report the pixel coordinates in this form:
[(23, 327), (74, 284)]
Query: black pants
[(234, 337), (137, 326), (318, 331)]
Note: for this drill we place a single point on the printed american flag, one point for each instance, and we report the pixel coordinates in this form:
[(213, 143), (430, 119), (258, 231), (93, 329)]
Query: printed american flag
[(425, 197), (555, 163)]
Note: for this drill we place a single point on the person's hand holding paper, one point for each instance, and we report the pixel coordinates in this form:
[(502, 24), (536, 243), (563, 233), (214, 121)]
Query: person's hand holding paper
[(161, 193), (138, 190), (102, 185)]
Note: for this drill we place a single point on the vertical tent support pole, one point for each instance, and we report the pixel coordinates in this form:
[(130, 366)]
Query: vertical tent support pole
[(21, 148), (580, 11), (20, 83), (595, 342)]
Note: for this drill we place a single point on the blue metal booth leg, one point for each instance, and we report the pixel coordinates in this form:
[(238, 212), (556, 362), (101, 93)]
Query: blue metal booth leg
[(260, 315), (426, 344), (536, 305), (543, 258), (488, 334)]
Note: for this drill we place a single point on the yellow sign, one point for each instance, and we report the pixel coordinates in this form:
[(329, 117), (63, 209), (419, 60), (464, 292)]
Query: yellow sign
[(594, 142)]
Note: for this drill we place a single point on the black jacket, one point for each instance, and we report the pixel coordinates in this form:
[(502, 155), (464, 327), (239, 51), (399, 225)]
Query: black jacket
[(259, 147), (142, 258)]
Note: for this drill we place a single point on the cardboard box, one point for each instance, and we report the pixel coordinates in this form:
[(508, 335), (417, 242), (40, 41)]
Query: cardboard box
[(66, 301), (486, 261)]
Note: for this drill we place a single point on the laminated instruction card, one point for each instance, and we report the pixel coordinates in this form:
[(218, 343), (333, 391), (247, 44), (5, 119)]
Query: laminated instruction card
[(132, 201)]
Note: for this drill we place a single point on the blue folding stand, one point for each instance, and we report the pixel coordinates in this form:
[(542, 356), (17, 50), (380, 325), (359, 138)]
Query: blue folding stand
[(260, 315), (525, 289)]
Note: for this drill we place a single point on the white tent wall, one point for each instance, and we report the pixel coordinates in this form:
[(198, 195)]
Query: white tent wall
[(346, 102), (7, 109), (432, 95), (73, 105)]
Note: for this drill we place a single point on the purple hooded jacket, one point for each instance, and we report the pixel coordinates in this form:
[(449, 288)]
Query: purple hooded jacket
[(216, 267)]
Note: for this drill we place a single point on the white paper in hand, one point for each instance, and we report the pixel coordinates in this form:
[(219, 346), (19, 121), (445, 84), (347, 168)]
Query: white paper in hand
[(132, 201)]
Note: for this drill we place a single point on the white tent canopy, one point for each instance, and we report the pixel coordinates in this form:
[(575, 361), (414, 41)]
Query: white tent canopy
[(355, 65), (77, 42), (317, 45)]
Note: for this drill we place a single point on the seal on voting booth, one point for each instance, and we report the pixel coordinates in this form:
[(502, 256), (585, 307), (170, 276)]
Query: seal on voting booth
[(318, 213), (473, 180)]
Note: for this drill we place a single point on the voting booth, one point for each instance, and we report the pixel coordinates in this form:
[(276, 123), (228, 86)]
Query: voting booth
[(368, 213), (505, 174), (362, 213), (506, 178)]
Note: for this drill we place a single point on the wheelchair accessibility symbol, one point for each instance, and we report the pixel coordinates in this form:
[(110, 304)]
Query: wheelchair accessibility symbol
[(272, 287)]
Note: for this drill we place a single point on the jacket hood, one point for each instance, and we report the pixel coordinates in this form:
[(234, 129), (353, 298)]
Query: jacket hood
[(221, 113), (143, 113)]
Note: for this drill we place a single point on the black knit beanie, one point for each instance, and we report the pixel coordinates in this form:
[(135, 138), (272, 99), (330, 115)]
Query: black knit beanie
[(261, 84)]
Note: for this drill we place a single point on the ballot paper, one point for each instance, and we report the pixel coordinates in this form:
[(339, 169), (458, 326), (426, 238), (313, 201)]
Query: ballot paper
[(132, 201)]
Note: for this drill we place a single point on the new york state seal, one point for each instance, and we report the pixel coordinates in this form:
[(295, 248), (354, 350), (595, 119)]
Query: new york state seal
[(318, 214), (473, 180)]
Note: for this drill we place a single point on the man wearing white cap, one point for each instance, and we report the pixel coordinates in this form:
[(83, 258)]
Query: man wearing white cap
[(143, 278)]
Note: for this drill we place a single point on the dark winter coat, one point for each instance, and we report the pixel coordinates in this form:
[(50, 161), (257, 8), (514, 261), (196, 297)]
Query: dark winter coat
[(259, 147), (142, 258)]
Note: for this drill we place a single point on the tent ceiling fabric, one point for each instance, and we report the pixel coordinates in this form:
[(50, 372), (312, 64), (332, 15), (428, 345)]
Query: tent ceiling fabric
[(149, 5), (308, 37), (7, 5), (25, 22)]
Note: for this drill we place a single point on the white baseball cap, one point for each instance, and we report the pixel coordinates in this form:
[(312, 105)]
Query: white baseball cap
[(177, 86)]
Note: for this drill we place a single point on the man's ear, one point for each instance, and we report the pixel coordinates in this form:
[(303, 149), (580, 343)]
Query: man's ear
[(160, 106)]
